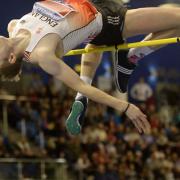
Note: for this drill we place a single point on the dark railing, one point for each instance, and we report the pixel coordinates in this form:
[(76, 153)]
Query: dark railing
[(17, 169)]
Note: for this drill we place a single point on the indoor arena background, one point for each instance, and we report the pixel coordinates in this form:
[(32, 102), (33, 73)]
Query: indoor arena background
[(34, 143)]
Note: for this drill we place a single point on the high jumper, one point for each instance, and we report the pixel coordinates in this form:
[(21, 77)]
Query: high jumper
[(54, 27)]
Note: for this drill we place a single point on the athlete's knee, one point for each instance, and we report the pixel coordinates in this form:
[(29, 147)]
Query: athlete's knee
[(91, 59), (169, 33), (175, 32)]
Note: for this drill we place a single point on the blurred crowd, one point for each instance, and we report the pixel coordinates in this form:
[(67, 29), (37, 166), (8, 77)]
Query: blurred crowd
[(109, 147)]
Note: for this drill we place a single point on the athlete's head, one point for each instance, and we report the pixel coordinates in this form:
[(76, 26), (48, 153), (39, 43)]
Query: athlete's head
[(10, 65)]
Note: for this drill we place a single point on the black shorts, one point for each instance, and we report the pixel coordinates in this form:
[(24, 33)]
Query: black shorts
[(113, 14)]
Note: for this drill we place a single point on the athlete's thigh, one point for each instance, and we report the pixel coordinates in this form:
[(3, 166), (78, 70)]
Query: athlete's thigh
[(149, 20)]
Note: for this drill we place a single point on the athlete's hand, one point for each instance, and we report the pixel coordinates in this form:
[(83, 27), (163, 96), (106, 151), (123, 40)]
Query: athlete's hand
[(138, 118)]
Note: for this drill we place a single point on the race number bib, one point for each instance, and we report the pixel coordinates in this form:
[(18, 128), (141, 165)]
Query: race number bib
[(56, 10)]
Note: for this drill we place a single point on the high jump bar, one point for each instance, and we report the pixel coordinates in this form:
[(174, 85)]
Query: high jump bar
[(158, 42)]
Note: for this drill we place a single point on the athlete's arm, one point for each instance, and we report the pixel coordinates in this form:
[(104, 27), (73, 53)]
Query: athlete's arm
[(52, 65)]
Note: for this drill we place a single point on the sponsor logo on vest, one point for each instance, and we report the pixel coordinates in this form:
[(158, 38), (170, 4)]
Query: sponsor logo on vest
[(47, 12), (45, 19)]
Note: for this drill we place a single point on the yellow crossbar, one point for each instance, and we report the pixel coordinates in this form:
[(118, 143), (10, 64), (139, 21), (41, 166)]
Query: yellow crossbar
[(125, 46)]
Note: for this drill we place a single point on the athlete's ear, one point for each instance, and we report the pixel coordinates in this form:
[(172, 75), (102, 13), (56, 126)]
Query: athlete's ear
[(12, 58)]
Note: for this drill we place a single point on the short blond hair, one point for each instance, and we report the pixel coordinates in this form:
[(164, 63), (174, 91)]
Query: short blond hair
[(11, 72)]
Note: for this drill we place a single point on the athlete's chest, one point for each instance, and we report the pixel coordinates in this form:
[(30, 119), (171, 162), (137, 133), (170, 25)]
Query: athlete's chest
[(51, 44)]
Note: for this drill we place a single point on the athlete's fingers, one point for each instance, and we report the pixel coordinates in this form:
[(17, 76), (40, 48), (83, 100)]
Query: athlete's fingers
[(146, 124), (136, 125), (142, 124)]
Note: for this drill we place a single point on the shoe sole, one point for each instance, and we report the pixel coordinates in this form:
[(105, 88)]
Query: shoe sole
[(72, 124)]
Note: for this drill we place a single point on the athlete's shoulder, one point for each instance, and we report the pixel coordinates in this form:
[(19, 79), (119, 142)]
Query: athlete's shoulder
[(11, 25)]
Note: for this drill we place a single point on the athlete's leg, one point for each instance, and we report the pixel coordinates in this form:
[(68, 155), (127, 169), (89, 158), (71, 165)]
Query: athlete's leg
[(136, 54), (163, 34), (160, 22), (128, 61), (89, 64), (125, 69), (151, 20)]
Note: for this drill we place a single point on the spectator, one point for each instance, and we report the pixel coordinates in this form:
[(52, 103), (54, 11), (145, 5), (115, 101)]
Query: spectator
[(24, 147), (108, 148), (141, 91)]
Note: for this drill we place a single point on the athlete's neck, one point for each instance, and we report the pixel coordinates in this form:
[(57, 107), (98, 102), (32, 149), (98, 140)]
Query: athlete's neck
[(19, 43)]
